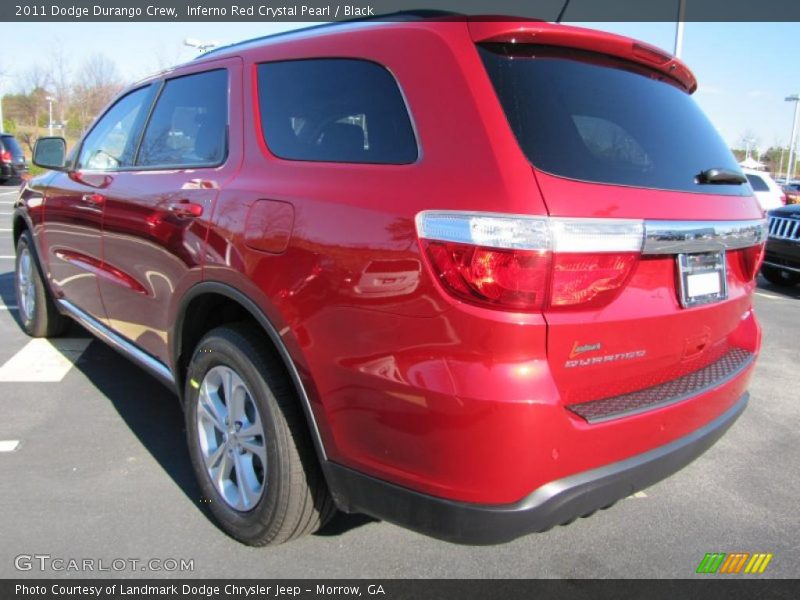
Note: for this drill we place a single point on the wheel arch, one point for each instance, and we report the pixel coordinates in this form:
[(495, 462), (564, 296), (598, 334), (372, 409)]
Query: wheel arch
[(195, 299)]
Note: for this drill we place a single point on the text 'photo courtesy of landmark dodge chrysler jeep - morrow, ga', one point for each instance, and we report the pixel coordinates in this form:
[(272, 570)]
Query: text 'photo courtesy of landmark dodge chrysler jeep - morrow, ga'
[(474, 277)]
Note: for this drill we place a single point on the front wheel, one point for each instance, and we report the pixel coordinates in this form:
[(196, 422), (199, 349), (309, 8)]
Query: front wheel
[(249, 442), (37, 311), (780, 277)]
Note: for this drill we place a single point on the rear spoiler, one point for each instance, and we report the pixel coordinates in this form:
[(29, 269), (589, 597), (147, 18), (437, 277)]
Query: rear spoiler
[(495, 30)]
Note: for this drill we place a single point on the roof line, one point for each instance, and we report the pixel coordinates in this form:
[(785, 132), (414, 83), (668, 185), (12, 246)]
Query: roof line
[(401, 16)]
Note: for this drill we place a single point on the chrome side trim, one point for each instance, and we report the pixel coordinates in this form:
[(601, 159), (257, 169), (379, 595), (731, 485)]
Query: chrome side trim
[(120, 344), (680, 237)]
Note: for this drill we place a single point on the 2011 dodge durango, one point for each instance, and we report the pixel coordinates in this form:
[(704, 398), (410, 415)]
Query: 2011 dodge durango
[(474, 277)]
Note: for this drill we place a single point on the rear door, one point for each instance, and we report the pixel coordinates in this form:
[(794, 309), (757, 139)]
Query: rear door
[(75, 201), (613, 140), (157, 213)]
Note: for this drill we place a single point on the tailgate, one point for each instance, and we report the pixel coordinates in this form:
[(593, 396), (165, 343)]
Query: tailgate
[(610, 138)]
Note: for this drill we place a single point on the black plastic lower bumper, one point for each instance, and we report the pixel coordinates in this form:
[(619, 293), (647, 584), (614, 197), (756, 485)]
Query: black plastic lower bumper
[(553, 504)]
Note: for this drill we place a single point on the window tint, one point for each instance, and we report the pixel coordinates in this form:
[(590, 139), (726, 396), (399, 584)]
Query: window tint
[(758, 184), (112, 141), (189, 122), (334, 110), (593, 118)]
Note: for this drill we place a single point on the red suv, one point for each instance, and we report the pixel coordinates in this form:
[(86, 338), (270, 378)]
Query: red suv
[(477, 278)]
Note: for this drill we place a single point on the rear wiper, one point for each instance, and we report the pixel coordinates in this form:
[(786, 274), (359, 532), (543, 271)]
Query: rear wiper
[(720, 176)]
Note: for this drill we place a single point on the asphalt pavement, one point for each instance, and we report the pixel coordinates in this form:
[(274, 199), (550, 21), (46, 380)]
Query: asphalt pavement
[(101, 473)]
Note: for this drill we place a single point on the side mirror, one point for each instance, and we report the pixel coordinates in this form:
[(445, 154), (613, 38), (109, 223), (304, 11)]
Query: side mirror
[(50, 153)]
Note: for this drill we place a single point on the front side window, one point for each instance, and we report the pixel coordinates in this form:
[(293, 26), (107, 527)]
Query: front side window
[(112, 141), (188, 127), (334, 110)]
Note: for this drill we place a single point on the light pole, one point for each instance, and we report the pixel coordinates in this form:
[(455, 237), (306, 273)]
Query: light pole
[(1, 103), (790, 167), (201, 46), (679, 28), (49, 115)]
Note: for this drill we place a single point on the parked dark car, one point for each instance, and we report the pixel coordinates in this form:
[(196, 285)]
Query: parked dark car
[(792, 191), (782, 260), (12, 158), (474, 278)]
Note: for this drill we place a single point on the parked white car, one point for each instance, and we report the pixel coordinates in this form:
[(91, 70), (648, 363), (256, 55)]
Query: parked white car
[(769, 194)]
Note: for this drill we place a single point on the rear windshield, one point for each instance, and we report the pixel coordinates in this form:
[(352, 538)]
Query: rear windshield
[(758, 184), (594, 118), (11, 145)]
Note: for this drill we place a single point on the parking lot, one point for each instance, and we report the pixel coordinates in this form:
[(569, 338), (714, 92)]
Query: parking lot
[(101, 472)]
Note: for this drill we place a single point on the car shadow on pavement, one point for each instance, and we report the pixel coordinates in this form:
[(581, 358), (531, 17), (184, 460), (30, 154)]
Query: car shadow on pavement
[(8, 296), (150, 410), (785, 291), (154, 415)]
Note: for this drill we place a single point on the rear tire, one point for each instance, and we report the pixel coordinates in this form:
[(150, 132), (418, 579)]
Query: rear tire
[(37, 311), (780, 277), (249, 441)]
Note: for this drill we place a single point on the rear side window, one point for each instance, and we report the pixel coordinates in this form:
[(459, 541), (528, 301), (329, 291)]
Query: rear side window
[(593, 118), (188, 127), (334, 110), (9, 144), (758, 184)]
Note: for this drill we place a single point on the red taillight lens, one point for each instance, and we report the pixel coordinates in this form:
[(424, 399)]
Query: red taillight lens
[(5, 156), (784, 199), (750, 260), (515, 262), (589, 280), (502, 278)]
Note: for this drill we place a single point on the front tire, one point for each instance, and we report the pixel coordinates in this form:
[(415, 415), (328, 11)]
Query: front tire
[(249, 442), (37, 311), (780, 277)]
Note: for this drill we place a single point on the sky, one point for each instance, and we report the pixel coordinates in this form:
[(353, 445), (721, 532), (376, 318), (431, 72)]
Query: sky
[(744, 70)]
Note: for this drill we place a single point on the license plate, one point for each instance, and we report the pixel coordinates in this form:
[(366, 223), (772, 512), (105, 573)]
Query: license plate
[(702, 278)]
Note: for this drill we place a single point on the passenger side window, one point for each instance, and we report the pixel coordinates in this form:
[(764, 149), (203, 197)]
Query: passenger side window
[(112, 141), (334, 110), (188, 127)]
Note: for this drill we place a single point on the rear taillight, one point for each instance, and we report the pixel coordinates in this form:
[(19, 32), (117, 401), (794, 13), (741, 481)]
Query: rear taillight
[(784, 199), (504, 278), (5, 156), (530, 263), (750, 260)]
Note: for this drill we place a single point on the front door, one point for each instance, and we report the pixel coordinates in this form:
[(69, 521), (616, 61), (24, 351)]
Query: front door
[(74, 202), (157, 214)]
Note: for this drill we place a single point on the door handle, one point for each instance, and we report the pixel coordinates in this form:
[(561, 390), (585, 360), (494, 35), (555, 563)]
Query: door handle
[(94, 199), (186, 209)]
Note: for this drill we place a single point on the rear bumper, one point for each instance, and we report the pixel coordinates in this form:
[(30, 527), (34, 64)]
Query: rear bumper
[(554, 503), (8, 170)]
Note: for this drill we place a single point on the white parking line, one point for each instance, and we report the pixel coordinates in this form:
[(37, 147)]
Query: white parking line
[(43, 360), (8, 445), (770, 296), (5, 229), (8, 307), (7, 256)]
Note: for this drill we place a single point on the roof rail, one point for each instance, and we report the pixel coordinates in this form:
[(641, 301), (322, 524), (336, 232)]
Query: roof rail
[(401, 16)]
